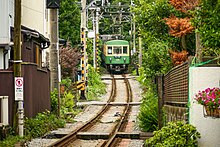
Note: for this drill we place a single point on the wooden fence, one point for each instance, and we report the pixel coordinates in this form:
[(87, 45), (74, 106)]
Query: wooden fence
[(173, 93)]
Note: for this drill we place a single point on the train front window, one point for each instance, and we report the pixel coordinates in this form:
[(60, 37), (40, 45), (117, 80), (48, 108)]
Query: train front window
[(109, 50), (117, 50), (125, 50)]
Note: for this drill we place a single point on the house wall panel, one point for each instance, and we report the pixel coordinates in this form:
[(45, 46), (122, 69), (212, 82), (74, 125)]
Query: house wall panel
[(7, 89), (36, 90), (4, 22)]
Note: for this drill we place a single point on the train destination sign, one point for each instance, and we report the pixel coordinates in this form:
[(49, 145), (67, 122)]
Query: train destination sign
[(19, 88)]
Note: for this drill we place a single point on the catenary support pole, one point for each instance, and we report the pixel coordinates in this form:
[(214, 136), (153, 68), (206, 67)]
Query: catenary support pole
[(94, 39), (134, 34), (140, 49), (97, 37), (83, 49)]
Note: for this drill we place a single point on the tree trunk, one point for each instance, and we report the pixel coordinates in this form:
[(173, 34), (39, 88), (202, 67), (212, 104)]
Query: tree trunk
[(183, 42), (198, 48)]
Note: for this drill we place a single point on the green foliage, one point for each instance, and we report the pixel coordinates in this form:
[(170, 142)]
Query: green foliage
[(90, 53), (175, 134), (89, 50), (148, 112), (149, 17), (41, 124), (207, 23), (67, 101), (156, 40), (69, 21), (95, 86), (54, 101), (66, 82), (157, 59), (34, 127), (10, 141)]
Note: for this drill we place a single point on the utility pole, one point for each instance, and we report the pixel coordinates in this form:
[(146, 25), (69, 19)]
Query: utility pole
[(131, 34), (120, 17), (17, 69), (53, 6), (94, 39), (97, 37), (140, 49), (54, 62), (134, 31), (83, 49)]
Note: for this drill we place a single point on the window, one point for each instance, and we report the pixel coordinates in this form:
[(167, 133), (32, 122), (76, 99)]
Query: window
[(125, 50), (38, 55), (109, 50), (117, 50)]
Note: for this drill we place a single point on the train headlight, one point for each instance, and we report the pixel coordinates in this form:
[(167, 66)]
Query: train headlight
[(124, 60), (110, 60)]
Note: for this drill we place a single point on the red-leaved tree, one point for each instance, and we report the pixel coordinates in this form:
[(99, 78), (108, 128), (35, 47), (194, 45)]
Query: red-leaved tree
[(184, 5), (179, 26), (69, 59)]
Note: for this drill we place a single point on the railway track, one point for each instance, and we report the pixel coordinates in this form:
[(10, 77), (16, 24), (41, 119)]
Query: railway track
[(108, 126)]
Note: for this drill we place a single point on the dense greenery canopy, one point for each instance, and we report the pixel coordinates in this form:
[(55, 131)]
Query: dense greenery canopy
[(69, 21), (206, 20)]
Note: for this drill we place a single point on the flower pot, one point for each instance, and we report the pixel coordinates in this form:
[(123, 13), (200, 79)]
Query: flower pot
[(212, 112)]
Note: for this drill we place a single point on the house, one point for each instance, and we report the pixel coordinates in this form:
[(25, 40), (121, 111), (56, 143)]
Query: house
[(34, 67)]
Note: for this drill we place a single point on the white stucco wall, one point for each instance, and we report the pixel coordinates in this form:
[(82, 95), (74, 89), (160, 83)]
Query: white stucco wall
[(201, 78), (33, 15)]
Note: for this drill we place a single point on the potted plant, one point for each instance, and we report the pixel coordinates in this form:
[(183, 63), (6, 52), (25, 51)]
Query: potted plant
[(210, 99)]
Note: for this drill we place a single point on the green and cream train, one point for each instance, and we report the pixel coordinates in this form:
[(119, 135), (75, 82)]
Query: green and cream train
[(116, 55)]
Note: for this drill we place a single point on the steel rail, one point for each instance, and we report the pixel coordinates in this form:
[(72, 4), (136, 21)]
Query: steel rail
[(113, 141), (66, 140)]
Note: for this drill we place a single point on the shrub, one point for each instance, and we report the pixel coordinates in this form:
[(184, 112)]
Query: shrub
[(67, 101), (175, 134), (148, 119), (66, 82), (41, 124), (10, 141), (95, 86), (34, 127), (54, 101)]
